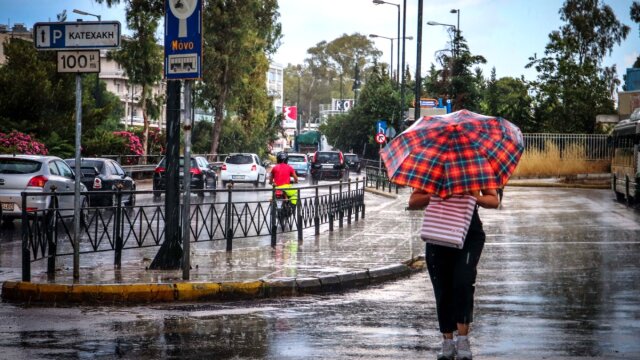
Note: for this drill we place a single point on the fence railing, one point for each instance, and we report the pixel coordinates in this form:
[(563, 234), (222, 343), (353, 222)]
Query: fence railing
[(591, 146), (377, 177), (48, 234)]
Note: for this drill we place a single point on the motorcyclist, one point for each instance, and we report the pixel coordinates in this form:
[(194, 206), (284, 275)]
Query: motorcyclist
[(281, 175)]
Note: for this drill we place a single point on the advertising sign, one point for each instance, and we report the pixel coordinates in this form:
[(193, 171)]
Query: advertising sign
[(183, 39), (290, 117), (428, 103), (341, 104), (76, 35)]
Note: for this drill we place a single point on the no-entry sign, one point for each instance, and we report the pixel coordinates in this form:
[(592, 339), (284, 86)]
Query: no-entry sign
[(380, 138)]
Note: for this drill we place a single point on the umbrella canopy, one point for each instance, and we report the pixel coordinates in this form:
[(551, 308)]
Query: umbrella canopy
[(454, 153)]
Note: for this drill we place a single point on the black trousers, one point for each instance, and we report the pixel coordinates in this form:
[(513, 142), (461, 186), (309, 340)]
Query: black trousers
[(453, 276)]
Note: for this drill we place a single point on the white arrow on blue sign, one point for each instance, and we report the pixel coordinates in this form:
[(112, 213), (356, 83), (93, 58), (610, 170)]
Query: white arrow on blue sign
[(381, 127)]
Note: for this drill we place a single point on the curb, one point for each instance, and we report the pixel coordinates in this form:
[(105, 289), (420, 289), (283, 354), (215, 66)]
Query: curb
[(560, 185), (126, 294), (381, 193)]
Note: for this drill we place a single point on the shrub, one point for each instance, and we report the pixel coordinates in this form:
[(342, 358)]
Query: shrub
[(20, 143)]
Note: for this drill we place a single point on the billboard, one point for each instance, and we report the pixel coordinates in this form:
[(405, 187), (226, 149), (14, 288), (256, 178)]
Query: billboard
[(290, 117)]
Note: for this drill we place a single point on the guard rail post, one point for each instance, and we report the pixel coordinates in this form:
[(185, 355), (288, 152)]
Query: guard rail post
[(350, 202), (331, 207), (50, 233), (26, 255), (340, 207), (299, 215), (316, 217), (274, 218), (117, 228), (228, 221), (357, 206), (363, 205)]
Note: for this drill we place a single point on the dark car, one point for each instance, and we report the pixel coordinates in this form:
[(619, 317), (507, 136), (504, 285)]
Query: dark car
[(100, 174), (328, 165), (353, 162), (203, 177)]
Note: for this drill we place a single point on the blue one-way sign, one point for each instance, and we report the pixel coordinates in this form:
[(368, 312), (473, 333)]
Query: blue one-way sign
[(76, 35)]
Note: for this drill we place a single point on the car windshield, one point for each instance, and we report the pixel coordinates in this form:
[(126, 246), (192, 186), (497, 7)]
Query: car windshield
[(239, 159), (19, 166), (297, 159), (351, 157)]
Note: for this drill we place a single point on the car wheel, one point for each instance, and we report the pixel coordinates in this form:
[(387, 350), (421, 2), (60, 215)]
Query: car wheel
[(314, 180), (132, 198), (84, 213)]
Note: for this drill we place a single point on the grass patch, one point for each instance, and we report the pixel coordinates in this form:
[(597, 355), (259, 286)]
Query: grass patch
[(552, 162)]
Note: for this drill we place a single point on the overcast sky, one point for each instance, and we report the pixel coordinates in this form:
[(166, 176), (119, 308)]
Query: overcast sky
[(505, 32)]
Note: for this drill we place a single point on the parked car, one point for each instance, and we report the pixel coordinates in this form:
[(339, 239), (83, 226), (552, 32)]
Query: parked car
[(99, 174), (353, 162), (328, 165), (299, 163), (202, 176), (243, 167), (36, 174)]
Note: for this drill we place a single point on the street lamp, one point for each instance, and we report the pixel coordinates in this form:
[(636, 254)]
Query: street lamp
[(380, 2), (86, 13), (456, 11), (391, 40)]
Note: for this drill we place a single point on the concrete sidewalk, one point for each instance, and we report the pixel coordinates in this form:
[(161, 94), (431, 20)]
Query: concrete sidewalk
[(380, 247), (385, 245)]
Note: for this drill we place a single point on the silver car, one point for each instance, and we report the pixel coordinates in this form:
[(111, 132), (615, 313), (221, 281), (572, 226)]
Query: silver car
[(35, 174)]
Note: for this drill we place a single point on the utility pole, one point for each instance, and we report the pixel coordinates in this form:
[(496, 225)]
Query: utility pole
[(416, 113)]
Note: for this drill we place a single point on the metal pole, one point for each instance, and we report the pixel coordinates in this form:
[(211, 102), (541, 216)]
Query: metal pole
[(402, 81), (391, 65), (132, 89), (398, 51), (78, 175), (186, 214), (416, 113)]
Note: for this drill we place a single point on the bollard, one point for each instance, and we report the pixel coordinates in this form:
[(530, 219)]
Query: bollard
[(228, 231)]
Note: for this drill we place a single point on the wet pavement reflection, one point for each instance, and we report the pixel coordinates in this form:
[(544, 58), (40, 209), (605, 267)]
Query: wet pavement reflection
[(558, 279)]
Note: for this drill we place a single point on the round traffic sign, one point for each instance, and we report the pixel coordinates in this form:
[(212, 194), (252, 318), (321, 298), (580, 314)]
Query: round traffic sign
[(380, 138)]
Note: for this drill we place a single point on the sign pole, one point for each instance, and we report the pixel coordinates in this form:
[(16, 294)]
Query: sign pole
[(78, 176), (186, 214)]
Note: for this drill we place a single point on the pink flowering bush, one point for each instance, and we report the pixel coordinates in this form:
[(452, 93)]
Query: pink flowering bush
[(132, 144), (20, 143)]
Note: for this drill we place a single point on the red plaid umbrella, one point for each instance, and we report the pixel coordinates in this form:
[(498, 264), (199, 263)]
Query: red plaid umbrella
[(454, 153)]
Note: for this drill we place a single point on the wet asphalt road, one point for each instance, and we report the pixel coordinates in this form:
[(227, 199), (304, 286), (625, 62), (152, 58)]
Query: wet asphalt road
[(558, 280)]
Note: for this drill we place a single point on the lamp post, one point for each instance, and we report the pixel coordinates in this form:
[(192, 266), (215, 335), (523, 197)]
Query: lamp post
[(456, 11), (391, 40), (380, 2), (455, 49), (98, 95), (86, 13)]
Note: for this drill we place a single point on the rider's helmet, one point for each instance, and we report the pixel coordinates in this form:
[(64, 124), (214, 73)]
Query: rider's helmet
[(282, 157)]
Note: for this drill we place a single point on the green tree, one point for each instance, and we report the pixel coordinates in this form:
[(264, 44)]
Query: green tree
[(140, 55), (572, 86), (355, 130), (239, 35), (634, 13), (38, 100)]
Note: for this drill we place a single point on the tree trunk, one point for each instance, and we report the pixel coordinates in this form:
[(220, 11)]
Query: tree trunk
[(217, 126)]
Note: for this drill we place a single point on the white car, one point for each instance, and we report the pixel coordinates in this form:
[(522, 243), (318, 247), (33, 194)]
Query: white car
[(243, 167), (36, 174)]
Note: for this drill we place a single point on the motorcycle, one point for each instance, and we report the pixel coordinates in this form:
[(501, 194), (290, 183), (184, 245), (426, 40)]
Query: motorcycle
[(284, 208)]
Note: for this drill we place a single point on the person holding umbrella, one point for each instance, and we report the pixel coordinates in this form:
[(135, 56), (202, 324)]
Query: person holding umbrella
[(461, 153)]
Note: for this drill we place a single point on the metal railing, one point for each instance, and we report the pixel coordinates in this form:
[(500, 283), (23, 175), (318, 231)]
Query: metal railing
[(47, 234), (377, 177), (585, 146)]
